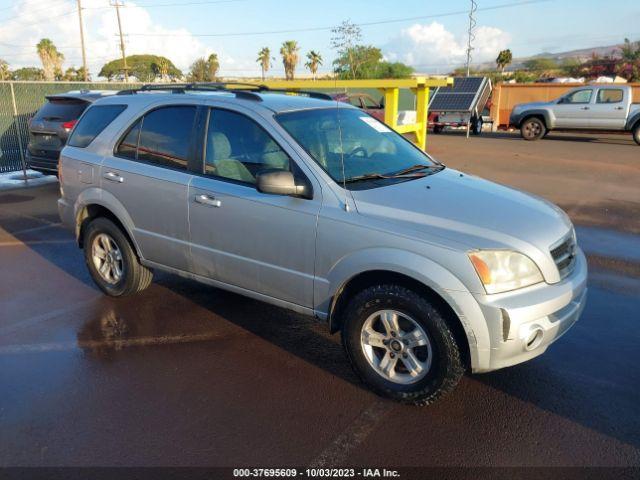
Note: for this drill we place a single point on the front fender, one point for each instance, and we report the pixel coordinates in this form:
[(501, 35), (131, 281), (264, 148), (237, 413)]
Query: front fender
[(421, 269), (549, 118), (96, 196)]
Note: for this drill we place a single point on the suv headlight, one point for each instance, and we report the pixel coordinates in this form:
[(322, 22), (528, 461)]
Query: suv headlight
[(504, 270)]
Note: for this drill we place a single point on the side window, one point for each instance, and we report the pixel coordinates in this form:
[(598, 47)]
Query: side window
[(165, 137), (610, 95), (129, 145), (237, 148), (93, 122), (581, 96)]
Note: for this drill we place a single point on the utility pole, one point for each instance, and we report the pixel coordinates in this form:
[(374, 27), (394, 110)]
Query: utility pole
[(84, 53), (471, 37), (117, 4)]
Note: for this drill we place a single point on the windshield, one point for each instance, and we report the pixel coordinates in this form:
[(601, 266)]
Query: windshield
[(371, 150)]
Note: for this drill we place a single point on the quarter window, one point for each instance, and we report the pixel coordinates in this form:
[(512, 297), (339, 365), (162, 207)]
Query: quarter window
[(237, 148), (162, 137), (610, 95), (93, 122)]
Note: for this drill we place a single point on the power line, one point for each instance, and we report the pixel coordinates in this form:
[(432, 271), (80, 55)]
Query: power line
[(328, 28)]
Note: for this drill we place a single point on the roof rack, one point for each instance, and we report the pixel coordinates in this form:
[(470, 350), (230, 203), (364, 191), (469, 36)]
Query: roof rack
[(240, 89)]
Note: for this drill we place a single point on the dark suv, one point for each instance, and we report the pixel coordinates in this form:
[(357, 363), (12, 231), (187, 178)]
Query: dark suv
[(51, 125)]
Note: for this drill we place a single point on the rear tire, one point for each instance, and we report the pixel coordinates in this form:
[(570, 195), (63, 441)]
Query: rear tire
[(636, 133), (437, 129), (533, 129), (112, 261), (400, 345)]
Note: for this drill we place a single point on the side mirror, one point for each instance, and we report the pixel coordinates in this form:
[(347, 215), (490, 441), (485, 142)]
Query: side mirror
[(281, 182)]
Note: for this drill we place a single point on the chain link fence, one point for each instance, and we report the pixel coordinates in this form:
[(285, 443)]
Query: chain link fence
[(19, 101)]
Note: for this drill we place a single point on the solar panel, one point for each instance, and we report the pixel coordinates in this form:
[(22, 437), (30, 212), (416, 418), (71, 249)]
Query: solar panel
[(458, 97)]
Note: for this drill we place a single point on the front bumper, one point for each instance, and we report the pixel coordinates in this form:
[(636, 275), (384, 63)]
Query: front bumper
[(522, 324)]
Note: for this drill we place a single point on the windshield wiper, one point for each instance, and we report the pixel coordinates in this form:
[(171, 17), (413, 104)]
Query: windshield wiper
[(415, 168), (376, 176)]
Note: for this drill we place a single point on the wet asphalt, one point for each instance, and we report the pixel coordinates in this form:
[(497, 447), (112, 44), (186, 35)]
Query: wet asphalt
[(183, 374)]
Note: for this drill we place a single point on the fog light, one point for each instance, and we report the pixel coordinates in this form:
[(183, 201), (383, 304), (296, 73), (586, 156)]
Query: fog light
[(534, 339)]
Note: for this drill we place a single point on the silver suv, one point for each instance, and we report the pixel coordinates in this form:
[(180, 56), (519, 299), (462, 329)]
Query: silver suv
[(315, 206)]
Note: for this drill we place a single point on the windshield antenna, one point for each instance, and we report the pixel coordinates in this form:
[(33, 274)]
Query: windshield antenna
[(344, 177)]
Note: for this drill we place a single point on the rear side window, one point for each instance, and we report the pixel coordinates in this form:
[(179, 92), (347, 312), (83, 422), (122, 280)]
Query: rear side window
[(610, 95), (61, 110), (96, 119), (162, 137)]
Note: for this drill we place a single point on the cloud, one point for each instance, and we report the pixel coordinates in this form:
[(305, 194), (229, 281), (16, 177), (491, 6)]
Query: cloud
[(59, 22), (433, 46)]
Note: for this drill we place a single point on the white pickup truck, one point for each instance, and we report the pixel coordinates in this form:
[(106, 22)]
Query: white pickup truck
[(591, 107)]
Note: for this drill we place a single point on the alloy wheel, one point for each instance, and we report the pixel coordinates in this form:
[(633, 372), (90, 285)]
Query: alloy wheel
[(396, 346)]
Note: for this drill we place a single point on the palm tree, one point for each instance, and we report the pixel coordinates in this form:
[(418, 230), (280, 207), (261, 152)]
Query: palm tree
[(161, 68), (264, 59), (504, 58), (289, 52), (315, 60), (213, 65), (51, 59)]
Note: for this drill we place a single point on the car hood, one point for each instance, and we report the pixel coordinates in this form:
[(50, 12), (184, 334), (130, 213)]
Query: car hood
[(521, 106), (466, 212)]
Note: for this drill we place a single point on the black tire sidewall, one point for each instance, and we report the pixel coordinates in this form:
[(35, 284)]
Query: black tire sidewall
[(446, 359), (129, 259), (636, 133)]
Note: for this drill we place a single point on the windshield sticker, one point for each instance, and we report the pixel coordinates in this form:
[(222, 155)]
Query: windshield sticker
[(380, 127)]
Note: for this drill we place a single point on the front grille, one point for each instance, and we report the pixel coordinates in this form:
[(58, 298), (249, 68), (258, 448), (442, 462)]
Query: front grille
[(564, 255)]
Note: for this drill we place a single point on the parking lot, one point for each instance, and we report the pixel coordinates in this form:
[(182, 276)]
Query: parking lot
[(184, 374)]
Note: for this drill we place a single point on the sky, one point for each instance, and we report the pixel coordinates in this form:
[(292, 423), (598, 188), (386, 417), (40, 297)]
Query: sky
[(429, 35)]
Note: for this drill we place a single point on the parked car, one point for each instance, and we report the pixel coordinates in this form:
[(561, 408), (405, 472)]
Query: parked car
[(315, 206), (50, 126), (362, 100), (592, 107)]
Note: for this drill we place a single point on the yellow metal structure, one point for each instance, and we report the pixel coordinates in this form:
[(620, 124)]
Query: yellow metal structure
[(391, 89)]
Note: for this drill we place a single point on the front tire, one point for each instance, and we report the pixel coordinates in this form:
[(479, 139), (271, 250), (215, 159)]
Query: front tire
[(112, 261), (636, 133), (533, 129), (400, 345)]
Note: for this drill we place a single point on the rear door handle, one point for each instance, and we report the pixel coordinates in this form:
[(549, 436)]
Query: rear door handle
[(619, 108), (208, 200), (584, 108), (113, 177)]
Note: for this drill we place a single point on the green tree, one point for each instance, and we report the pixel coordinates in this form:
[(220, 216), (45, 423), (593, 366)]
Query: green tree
[(264, 59), (204, 69), (290, 56), (314, 61), (358, 62), (392, 70), (541, 64), (73, 74), (51, 59), (505, 57), (146, 68), (630, 51), (345, 41), (28, 73), (5, 72)]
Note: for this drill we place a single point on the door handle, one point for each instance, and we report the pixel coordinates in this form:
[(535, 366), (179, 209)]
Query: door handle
[(584, 108), (619, 108), (208, 200), (113, 177)]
